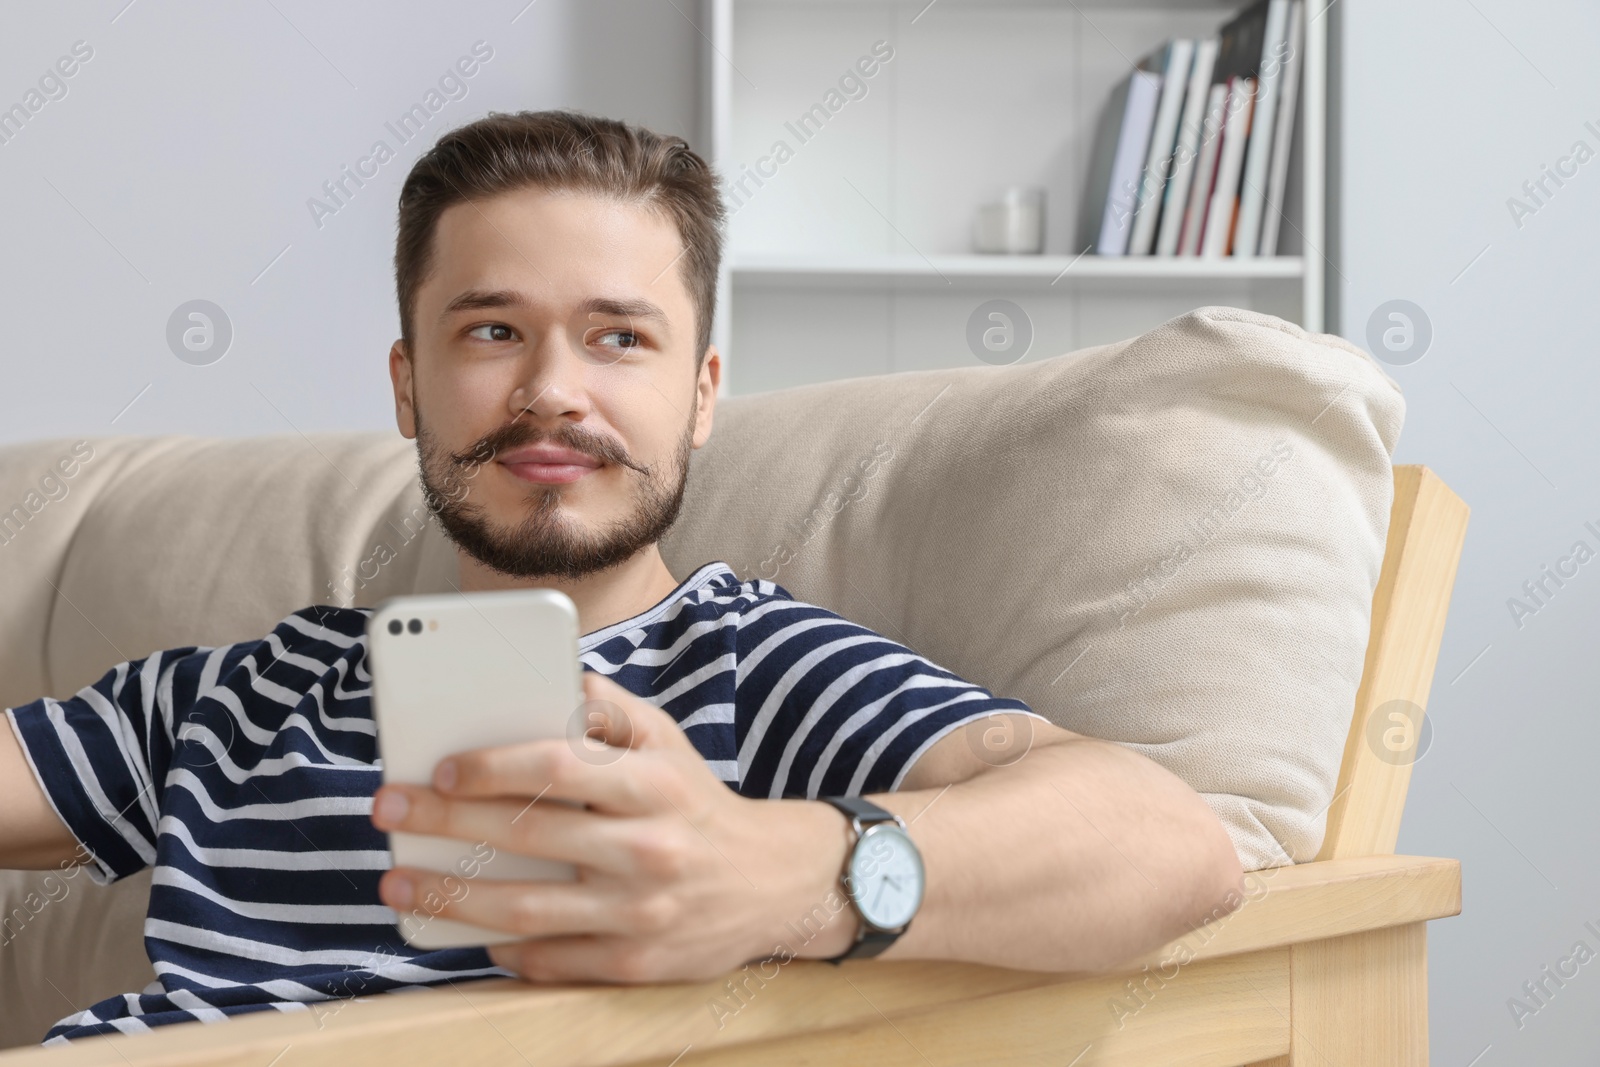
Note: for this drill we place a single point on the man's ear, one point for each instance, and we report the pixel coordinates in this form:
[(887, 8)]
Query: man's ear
[(405, 412), (706, 395)]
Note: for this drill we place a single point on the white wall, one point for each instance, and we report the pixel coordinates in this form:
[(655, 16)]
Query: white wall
[(179, 165), (1448, 108)]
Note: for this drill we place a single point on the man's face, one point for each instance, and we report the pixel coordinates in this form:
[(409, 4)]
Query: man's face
[(552, 386)]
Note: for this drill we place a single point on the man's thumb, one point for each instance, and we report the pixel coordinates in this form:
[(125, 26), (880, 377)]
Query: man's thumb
[(614, 716)]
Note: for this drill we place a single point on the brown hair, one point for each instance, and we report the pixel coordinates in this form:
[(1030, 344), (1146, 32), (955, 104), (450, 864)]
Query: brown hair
[(563, 150)]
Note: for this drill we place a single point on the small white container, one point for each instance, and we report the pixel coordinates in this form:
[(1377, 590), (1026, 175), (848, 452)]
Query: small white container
[(1013, 224)]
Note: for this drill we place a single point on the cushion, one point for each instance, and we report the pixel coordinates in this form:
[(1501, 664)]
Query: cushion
[(1170, 542)]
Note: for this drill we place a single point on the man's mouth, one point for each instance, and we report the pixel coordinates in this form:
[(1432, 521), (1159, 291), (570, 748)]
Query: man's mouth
[(548, 464)]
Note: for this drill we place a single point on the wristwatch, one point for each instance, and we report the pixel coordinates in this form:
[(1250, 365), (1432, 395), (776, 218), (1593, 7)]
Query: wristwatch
[(883, 876)]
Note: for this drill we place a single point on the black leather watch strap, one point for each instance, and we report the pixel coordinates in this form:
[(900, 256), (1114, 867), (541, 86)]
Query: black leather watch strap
[(868, 944), (859, 808), (869, 940)]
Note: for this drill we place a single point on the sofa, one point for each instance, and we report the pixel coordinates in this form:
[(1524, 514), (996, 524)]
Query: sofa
[(1170, 542)]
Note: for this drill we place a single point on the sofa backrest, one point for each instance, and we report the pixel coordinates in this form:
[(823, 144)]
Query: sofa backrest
[(1171, 542)]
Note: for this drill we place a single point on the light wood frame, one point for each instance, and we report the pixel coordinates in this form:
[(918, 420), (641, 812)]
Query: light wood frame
[(1325, 963)]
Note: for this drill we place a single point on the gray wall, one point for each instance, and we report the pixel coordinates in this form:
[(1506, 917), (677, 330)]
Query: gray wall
[(1448, 107), (179, 163)]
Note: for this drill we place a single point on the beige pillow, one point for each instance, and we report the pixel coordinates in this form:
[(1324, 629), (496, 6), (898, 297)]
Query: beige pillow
[(67, 943), (1171, 542)]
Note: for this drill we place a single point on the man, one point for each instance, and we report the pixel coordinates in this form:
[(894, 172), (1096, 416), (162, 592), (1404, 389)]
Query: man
[(556, 280)]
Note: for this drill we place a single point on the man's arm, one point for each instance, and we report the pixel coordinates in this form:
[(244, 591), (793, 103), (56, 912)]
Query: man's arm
[(1075, 856), (32, 836)]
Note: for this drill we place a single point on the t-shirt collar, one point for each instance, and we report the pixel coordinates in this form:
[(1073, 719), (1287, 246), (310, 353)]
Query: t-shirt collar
[(706, 575)]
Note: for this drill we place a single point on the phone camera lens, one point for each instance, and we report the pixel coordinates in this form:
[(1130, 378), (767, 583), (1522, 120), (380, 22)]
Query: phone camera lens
[(415, 626), (394, 626)]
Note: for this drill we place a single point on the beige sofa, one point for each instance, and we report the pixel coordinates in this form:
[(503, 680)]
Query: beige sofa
[(1171, 542)]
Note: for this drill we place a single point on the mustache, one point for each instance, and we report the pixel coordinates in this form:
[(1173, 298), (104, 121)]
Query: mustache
[(567, 435)]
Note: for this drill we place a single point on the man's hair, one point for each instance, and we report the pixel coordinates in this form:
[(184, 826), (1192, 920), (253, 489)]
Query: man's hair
[(563, 151)]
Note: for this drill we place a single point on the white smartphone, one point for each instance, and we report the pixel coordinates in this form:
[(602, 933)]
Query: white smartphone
[(462, 671)]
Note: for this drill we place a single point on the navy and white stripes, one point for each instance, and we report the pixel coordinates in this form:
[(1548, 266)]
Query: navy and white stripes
[(244, 775)]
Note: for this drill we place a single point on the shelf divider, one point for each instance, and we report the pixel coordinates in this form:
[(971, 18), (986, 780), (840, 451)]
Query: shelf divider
[(1062, 272)]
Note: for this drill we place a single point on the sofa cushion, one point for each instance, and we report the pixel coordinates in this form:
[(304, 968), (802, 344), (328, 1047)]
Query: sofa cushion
[(1171, 542)]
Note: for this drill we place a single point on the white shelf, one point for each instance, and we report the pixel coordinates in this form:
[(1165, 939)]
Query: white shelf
[(820, 272), (916, 7), (897, 271)]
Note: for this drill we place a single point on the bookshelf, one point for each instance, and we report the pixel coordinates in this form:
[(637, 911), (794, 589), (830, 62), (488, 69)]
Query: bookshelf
[(851, 253), (1034, 272)]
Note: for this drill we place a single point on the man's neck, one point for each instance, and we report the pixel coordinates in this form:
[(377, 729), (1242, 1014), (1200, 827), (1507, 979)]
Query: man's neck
[(602, 599)]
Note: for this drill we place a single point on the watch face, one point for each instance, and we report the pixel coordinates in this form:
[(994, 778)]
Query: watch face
[(886, 876)]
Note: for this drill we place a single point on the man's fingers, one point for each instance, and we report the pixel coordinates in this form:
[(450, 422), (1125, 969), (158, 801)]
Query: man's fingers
[(604, 958), (527, 909), (619, 718), (610, 725), (546, 828), (553, 770)]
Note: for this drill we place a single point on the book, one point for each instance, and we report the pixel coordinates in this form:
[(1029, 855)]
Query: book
[(1224, 208), (1172, 61), (1283, 136), (1238, 58), (1205, 172), (1243, 43), (1102, 156), (1121, 142), (1263, 128), (1191, 127), (1217, 140)]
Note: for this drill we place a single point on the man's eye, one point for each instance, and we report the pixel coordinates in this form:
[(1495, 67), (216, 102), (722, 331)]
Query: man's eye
[(629, 339), (498, 331)]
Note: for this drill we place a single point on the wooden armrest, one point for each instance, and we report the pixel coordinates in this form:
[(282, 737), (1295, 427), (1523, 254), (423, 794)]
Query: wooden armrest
[(505, 1021), (1328, 898)]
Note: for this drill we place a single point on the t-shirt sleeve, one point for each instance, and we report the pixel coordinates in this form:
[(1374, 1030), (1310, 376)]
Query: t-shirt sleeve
[(102, 754), (826, 707)]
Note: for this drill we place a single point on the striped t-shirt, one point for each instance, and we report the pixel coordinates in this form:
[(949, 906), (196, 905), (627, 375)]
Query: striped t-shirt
[(244, 775)]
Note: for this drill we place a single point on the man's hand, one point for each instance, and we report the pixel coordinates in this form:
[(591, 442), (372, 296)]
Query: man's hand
[(679, 877), (1067, 854)]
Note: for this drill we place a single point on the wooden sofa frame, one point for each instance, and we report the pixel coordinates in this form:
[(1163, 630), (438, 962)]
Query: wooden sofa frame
[(1325, 962)]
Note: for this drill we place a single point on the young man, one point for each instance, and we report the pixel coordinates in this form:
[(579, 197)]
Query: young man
[(556, 279)]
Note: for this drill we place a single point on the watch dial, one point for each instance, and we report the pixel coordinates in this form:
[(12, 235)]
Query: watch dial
[(886, 876)]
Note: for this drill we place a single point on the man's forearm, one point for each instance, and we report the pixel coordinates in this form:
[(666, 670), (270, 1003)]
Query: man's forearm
[(1078, 857), (32, 835)]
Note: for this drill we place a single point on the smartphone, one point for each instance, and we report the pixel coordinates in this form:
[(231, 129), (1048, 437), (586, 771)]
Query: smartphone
[(462, 671)]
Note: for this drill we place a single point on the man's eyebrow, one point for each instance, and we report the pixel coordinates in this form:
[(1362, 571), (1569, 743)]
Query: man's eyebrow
[(480, 299), (624, 309), (484, 299)]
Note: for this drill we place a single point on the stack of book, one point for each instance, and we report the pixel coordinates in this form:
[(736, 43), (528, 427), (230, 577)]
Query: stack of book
[(1191, 156)]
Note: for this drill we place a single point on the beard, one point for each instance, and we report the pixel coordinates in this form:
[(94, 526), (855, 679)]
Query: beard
[(544, 543)]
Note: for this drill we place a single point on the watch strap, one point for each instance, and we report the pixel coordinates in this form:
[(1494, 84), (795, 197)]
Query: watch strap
[(868, 944), (862, 809), (869, 940)]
